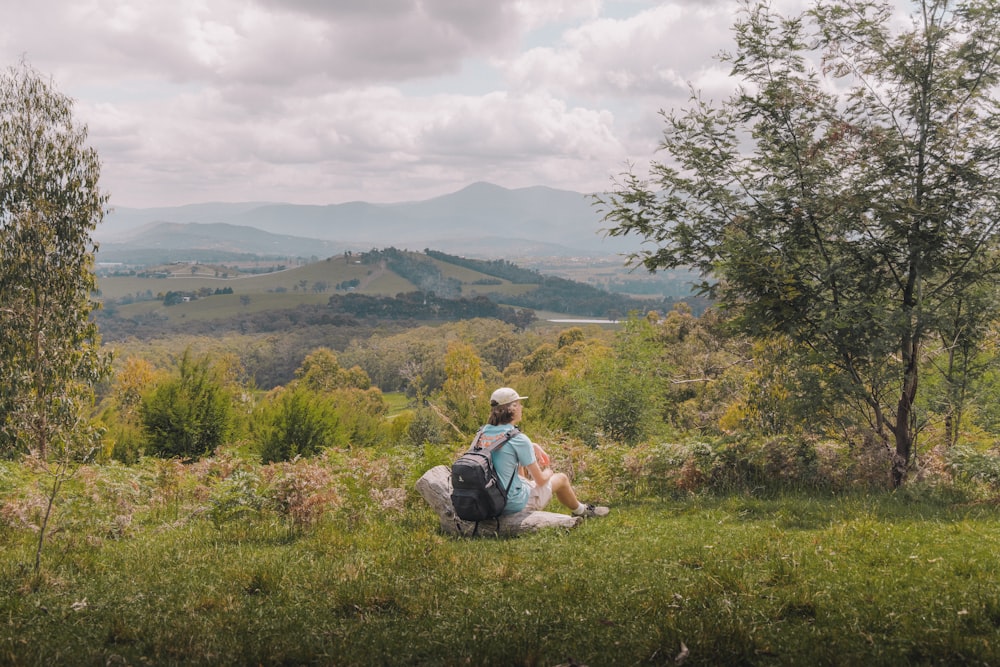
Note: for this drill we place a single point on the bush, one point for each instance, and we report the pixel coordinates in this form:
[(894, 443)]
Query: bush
[(423, 427), (970, 465), (188, 416), (295, 422), (235, 498), (735, 466)]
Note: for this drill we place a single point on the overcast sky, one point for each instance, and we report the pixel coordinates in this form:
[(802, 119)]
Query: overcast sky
[(327, 101)]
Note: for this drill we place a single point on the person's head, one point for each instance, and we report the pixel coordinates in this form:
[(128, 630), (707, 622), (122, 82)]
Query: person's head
[(505, 406)]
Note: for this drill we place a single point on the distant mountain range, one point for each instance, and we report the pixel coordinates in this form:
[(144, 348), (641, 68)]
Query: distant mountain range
[(482, 220)]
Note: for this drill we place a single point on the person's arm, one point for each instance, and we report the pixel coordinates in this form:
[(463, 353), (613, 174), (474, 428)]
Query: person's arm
[(537, 474), (541, 455)]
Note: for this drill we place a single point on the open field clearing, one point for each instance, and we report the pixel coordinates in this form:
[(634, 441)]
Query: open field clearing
[(337, 561)]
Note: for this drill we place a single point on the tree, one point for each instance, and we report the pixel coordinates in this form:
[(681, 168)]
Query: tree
[(190, 415), (849, 208), (464, 394), (50, 203), (321, 371), (296, 421), (619, 392), (123, 440), (503, 350)]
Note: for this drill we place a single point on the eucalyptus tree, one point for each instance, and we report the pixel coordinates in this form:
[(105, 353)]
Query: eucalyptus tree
[(50, 202), (844, 196)]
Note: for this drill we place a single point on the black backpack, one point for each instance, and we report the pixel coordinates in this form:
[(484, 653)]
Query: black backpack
[(476, 490)]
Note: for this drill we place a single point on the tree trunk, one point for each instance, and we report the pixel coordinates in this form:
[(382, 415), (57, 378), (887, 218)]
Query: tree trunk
[(904, 429), (901, 457), (435, 487)]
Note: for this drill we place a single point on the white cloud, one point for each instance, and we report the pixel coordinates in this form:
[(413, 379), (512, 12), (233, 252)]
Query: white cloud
[(320, 101)]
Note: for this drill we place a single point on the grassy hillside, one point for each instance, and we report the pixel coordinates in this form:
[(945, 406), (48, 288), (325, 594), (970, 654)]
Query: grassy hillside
[(337, 561), (142, 294), (192, 277)]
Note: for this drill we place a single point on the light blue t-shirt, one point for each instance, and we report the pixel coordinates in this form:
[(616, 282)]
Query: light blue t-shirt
[(517, 451)]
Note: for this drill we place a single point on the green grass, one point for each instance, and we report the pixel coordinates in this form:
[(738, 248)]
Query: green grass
[(789, 580), (331, 271), (398, 402), (263, 289), (223, 305)]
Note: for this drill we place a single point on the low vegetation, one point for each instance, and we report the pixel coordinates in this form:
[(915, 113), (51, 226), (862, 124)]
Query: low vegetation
[(335, 560)]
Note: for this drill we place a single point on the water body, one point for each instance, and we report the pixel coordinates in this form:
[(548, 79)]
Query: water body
[(584, 321)]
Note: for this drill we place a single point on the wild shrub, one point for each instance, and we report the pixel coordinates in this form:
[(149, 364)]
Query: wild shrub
[(727, 466), (301, 491), (22, 511), (124, 443), (971, 465), (295, 422), (362, 415), (235, 497), (659, 469), (187, 416), (421, 427)]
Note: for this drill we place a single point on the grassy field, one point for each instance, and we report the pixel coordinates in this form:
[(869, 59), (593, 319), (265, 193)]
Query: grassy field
[(302, 278), (282, 289), (337, 561)]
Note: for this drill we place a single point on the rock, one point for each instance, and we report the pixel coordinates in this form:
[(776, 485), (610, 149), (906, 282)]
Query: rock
[(435, 487)]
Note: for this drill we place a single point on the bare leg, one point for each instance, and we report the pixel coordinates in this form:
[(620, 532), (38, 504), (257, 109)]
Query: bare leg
[(564, 490)]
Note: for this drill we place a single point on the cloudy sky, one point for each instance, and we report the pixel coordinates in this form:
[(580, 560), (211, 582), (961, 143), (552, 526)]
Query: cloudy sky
[(327, 101)]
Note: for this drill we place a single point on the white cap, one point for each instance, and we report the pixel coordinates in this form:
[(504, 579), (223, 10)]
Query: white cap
[(505, 395)]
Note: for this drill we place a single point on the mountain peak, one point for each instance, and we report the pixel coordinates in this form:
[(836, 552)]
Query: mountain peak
[(478, 214)]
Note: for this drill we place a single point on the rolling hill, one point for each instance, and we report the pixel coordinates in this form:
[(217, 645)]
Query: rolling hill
[(482, 220), (206, 293)]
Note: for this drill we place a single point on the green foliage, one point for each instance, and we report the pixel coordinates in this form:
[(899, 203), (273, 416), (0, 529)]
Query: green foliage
[(321, 371), (235, 498), (189, 415), (296, 422), (413, 361), (612, 403), (326, 405), (502, 351), (421, 427), (219, 562), (856, 221), (619, 393), (424, 306), (970, 464), (362, 415), (124, 441), (50, 202), (465, 395)]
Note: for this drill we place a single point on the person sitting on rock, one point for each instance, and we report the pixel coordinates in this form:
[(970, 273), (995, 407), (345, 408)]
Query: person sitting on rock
[(521, 453)]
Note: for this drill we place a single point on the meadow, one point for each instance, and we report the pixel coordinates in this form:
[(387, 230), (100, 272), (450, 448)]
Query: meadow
[(310, 284), (337, 561)]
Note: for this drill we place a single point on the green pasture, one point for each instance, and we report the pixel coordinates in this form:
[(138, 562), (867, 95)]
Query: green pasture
[(223, 305), (169, 564), (331, 271), (397, 401), (278, 290)]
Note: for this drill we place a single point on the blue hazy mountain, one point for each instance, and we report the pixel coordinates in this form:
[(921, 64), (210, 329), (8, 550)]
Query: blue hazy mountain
[(481, 219)]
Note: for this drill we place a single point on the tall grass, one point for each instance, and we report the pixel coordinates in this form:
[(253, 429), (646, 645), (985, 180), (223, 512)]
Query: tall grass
[(138, 572)]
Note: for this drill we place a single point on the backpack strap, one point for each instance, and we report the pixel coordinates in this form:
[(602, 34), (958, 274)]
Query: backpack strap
[(506, 436), (490, 450), (497, 444)]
